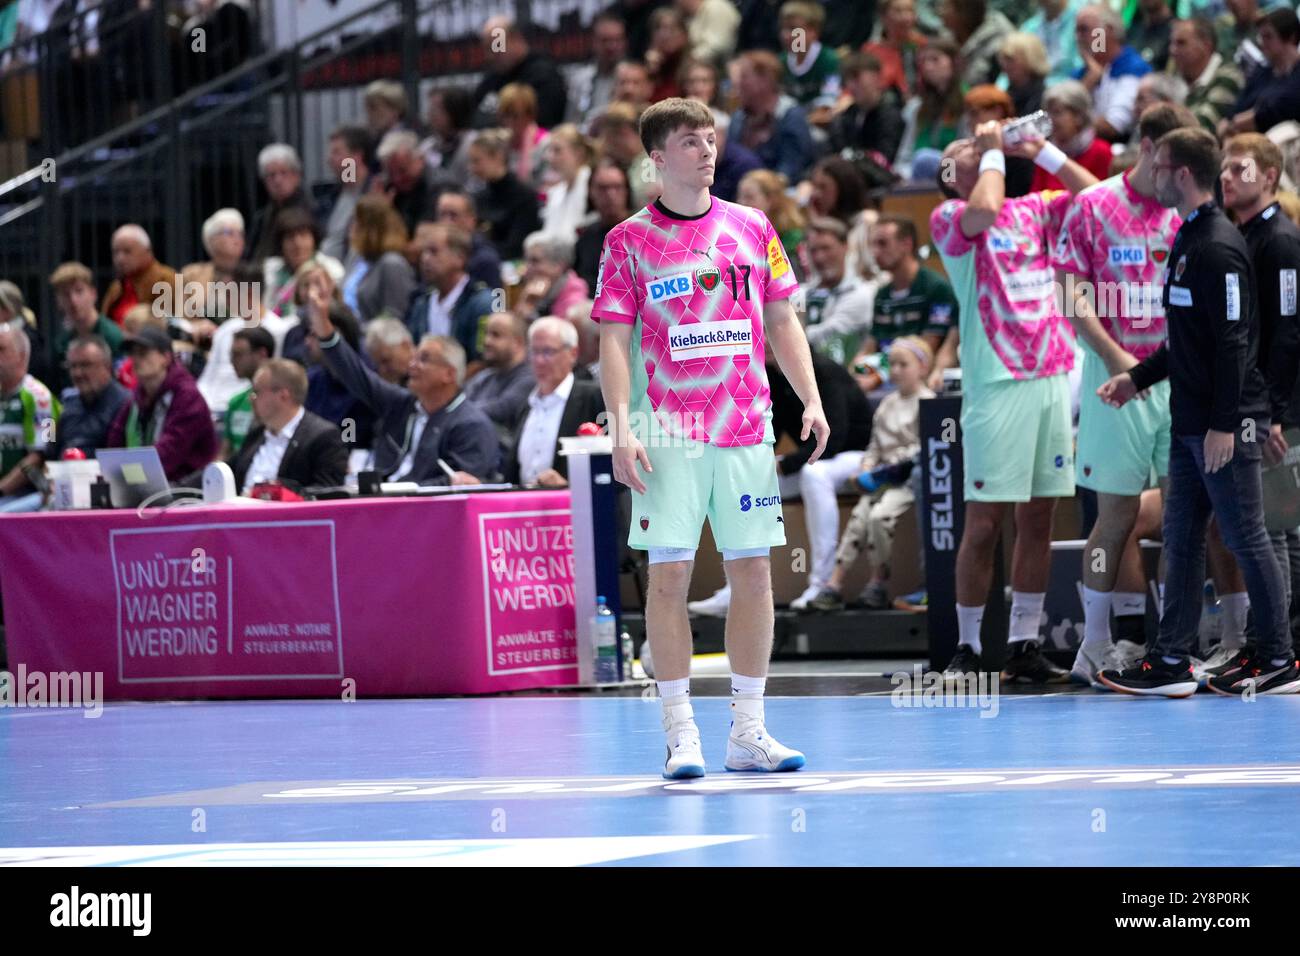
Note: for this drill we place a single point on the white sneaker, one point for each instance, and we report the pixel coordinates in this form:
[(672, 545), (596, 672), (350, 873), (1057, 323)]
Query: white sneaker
[(715, 606), (801, 602), (1088, 661), (1222, 655), (1203, 670), (1124, 655), (751, 747), (685, 755)]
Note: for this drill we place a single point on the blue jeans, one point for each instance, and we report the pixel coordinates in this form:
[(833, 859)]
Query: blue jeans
[(1235, 497)]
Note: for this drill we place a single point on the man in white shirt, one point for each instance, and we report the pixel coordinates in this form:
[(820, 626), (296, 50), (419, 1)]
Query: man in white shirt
[(556, 407), (839, 305)]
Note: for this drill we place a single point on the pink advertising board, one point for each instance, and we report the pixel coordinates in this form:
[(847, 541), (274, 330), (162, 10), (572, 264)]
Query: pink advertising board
[(467, 594)]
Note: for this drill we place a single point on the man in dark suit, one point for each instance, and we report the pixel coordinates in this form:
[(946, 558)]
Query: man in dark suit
[(423, 425), (555, 409), (289, 443)]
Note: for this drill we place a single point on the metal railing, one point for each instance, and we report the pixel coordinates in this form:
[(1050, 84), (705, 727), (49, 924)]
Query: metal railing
[(194, 150)]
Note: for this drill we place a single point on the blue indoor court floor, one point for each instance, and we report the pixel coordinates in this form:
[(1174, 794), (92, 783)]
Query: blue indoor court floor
[(1057, 779)]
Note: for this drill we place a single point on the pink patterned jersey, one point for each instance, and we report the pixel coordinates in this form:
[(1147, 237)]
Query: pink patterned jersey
[(1118, 241), (1010, 324), (694, 290)]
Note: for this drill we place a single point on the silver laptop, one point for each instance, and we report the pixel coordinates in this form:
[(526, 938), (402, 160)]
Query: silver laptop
[(134, 475)]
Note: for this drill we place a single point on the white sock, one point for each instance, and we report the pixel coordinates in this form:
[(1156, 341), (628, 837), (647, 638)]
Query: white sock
[(1129, 602), (1026, 612), (742, 686), (1096, 617), (969, 620), (1234, 607), (674, 691)]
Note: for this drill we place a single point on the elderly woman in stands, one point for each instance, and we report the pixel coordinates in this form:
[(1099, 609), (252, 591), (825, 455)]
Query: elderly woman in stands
[(550, 286), (297, 237), (379, 279), (1070, 106), (223, 238)]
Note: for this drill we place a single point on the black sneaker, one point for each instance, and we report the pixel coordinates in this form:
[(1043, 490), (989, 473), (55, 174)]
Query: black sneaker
[(1154, 678), (1027, 664), (828, 601), (1260, 676), (964, 662)]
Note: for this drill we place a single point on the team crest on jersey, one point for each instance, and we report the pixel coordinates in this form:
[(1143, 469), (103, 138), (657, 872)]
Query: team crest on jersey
[(1178, 269), (1159, 253), (709, 279)]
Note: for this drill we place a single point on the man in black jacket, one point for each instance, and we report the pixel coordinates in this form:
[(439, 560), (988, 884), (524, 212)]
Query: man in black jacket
[(506, 206), (873, 123), (420, 427), (290, 444), (1252, 166), (510, 60), (1220, 420)]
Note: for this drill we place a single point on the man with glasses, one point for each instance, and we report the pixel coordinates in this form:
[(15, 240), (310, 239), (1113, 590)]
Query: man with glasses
[(94, 400), (1220, 421), (289, 443), (556, 407)]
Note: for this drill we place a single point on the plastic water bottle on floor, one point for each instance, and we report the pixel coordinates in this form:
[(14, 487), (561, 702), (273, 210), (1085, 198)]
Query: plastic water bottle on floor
[(605, 638), (625, 645)]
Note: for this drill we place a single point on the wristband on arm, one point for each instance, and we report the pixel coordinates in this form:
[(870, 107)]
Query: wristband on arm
[(1051, 158), (993, 159)]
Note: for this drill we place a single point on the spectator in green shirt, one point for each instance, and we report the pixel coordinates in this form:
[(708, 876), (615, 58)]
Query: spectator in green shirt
[(251, 349), (74, 291), (811, 72)]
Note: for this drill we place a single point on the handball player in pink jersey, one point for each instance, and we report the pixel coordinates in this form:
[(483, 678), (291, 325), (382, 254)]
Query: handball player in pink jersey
[(690, 292)]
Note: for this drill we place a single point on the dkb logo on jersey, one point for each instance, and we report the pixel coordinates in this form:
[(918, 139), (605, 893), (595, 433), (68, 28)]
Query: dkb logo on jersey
[(1128, 255), (746, 502), (668, 287)]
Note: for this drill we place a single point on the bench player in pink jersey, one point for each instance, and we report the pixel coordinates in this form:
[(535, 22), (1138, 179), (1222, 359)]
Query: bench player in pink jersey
[(1111, 258), (689, 293), (1016, 352)]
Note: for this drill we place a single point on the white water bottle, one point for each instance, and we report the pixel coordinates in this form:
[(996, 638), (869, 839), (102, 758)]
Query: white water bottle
[(605, 640)]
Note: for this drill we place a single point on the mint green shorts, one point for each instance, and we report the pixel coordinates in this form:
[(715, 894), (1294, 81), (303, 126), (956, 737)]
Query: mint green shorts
[(735, 488), (1121, 451), (1017, 440)]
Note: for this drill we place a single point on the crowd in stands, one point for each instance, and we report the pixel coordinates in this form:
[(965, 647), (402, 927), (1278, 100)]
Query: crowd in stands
[(435, 308)]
